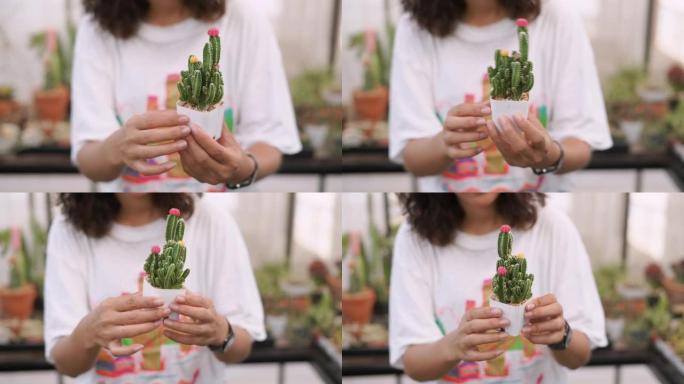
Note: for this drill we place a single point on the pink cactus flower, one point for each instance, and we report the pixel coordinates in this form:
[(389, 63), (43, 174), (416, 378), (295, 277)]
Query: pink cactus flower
[(501, 271), (156, 249), (505, 228), (521, 22), (213, 32), (174, 211)]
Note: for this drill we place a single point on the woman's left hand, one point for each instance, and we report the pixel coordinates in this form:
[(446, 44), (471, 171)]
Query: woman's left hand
[(544, 320), (528, 146), (215, 162), (203, 327)]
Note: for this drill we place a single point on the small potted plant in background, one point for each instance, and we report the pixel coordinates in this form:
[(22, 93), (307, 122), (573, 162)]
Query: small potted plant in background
[(358, 300), (201, 88), (164, 267), (675, 76), (7, 103), (18, 298), (512, 78), (623, 102), (512, 285)]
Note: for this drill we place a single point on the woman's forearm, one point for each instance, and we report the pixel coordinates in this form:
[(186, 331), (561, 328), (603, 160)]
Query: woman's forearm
[(577, 354), (99, 160), (577, 155), (240, 349), (426, 156), (268, 157), (75, 354), (423, 362)]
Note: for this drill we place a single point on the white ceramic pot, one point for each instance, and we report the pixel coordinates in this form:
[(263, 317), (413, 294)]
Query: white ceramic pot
[(210, 121), (514, 313), (508, 108), (167, 295)]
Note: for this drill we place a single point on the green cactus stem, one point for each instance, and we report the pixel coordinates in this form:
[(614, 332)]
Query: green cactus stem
[(511, 284), (201, 85), (511, 78), (165, 267)]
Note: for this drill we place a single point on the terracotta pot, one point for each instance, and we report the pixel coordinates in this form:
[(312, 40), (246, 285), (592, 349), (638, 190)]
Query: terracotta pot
[(372, 105), (18, 302), (52, 104), (7, 107), (357, 308)]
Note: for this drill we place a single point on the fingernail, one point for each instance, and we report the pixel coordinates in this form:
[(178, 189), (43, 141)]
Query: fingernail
[(504, 322), (483, 135), (166, 311), (173, 306), (529, 307), (526, 329), (486, 110), (158, 302), (496, 311), (481, 122), (183, 119), (186, 130), (180, 299), (182, 144)]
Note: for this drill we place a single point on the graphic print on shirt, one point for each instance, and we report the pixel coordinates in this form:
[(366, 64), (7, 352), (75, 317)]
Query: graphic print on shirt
[(521, 362), (176, 179), (151, 363)]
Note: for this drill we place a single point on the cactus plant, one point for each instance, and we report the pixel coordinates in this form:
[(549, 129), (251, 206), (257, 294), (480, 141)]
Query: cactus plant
[(201, 85), (512, 77), (164, 267), (511, 284)]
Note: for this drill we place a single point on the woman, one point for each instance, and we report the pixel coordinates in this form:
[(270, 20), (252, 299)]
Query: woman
[(441, 326), (440, 132), (125, 130), (101, 328)]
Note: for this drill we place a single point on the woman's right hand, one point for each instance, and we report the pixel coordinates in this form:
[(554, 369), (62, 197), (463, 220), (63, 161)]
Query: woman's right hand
[(122, 317), (150, 135), (464, 126), (473, 331)]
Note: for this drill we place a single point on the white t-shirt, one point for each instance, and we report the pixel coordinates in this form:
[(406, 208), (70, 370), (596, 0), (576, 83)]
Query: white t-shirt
[(113, 79), (81, 272), (432, 285), (431, 75)]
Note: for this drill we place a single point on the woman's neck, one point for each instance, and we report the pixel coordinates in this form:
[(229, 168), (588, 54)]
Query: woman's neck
[(137, 209), (480, 220), (166, 12), (480, 13)]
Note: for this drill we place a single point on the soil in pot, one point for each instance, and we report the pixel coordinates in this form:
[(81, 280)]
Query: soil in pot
[(357, 308), (18, 302), (52, 104), (372, 105)]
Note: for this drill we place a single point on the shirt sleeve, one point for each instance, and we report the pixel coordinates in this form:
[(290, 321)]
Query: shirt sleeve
[(233, 288), (262, 96), (412, 106), (577, 106), (93, 115), (573, 282), (411, 314), (66, 300)]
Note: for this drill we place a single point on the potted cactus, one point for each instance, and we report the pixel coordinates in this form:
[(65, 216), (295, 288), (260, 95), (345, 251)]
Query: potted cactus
[(18, 298), (201, 88), (164, 268), (512, 285), (359, 298), (512, 78)]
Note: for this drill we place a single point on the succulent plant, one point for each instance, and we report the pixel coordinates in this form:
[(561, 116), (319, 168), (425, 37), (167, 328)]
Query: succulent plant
[(512, 77), (201, 85), (511, 284), (164, 267)]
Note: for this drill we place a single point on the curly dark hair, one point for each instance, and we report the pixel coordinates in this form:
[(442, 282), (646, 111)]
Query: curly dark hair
[(439, 17), (122, 18), (437, 216), (94, 213)]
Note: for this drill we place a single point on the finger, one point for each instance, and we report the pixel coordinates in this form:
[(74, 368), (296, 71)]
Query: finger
[(473, 355), (476, 339), (132, 330), (197, 329), (183, 338), (140, 316), (148, 169), (117, 349), (152, 151), (510, 135), (457, 123), (484, 325), (196, 313), (549, 338), (471, 109), (137, 301), (193, 299), (215, 150), (547, 311), (483, 313), (541, 301), (495, 135), (455, 152), (535, 138), (198, 154), (227, 139), (161, 135), (549, 326), (155, 119), (453, 138)]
